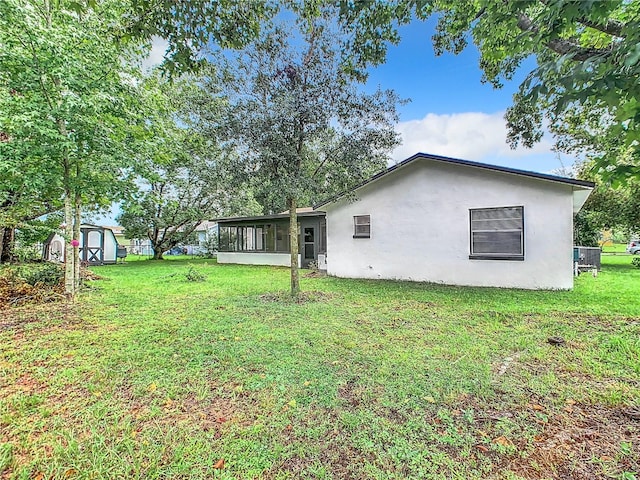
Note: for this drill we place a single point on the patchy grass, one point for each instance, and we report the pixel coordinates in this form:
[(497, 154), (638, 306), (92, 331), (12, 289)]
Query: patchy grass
[(152, 375)]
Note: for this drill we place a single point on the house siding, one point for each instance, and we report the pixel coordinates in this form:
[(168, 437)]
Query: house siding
[(256, 258), (420, 228)]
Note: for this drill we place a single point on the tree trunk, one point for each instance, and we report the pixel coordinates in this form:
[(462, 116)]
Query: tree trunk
[(8, 242), (157, 254), (293, 242), (77, 220), (69, 283)]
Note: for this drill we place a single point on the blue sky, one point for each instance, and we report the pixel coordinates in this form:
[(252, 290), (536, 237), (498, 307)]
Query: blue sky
[(452, 112)]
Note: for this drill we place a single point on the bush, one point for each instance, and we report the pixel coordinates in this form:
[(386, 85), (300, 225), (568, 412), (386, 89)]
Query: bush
[(27, 253), (32, 283), (194, 275), (636, 262), (46, 273)]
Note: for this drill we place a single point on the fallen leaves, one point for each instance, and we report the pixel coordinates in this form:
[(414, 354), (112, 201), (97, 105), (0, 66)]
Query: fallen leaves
[(502, 441), (219, 465), (70, 472)]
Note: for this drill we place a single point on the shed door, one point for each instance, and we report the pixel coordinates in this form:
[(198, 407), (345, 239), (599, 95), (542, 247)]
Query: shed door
[(93, 247)]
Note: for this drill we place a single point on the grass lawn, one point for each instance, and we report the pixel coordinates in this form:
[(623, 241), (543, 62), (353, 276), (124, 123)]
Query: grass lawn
[(152, 375)]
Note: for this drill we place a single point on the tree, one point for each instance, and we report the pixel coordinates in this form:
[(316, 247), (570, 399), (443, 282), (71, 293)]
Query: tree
[(587, 53), (181, 182), (608, 207), (295, 118), (191, 26), (64, 86)]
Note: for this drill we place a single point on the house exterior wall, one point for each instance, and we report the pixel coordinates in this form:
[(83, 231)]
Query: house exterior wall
[(420, 228), (256, 258)]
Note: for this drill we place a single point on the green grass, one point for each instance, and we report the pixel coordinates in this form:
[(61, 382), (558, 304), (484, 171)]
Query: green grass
[(615, 248), (152, 375)]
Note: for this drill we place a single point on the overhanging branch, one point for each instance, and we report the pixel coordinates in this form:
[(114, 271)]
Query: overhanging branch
[(563, 46)]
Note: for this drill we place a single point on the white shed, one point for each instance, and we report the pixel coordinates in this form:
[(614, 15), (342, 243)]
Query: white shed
[(444, 220), (98, 246)]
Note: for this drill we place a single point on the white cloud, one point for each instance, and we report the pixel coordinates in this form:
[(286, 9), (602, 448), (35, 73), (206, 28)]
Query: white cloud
[(472, 136), (156, 55)]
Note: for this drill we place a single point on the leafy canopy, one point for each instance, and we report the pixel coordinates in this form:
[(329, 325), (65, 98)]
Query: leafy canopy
[(587, 53), (64, 103), (295, 119), (180, 182)]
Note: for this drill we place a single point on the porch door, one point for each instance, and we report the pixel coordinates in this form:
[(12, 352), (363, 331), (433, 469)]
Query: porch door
[(308, 246)]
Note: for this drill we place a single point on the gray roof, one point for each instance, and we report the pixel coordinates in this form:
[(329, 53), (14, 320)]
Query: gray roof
[(276, 216), (466, 163)]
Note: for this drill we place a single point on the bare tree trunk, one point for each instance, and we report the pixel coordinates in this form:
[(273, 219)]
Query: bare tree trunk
[(8, 237), (293, 242), (157, 253), (69, 283), (77, 219)]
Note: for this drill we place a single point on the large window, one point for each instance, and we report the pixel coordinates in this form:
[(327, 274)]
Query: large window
[(273, 237), (362, 226), (497, 233)]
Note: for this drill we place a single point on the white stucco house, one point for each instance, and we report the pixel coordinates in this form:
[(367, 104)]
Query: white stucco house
[(433, 219), (444, 220)]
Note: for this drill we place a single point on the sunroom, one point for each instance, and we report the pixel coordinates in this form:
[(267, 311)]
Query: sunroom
[(264, 240)]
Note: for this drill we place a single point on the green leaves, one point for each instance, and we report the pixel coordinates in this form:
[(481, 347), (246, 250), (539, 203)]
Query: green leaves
[(296, 120), (588, 54)]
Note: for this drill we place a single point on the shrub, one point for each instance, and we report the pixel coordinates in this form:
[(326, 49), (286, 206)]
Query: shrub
[(636, 262), (31, 283), (46, 273), (194, 275)]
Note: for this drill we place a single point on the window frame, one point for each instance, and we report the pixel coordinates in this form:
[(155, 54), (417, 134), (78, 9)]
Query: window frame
[(497, 256), (356, 225)]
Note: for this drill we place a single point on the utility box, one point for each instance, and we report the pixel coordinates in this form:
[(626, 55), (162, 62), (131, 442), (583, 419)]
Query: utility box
[(587, 257)]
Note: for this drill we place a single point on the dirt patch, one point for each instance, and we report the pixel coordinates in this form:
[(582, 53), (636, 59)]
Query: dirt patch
[(572, 441), (603, 323), (315, 274), (303, 297), (333, 450), (349, 393), (25, 384), (17, 318), (223, 408), (583, 442)]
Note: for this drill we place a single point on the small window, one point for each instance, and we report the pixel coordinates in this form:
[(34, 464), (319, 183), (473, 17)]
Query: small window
[(497, 233), (362, 226)]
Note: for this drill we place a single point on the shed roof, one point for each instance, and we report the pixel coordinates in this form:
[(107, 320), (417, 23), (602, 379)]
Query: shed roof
[(580, 185)]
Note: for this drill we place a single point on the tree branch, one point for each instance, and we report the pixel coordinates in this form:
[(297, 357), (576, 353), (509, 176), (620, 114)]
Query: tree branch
[(560, 45), (612, 27)]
